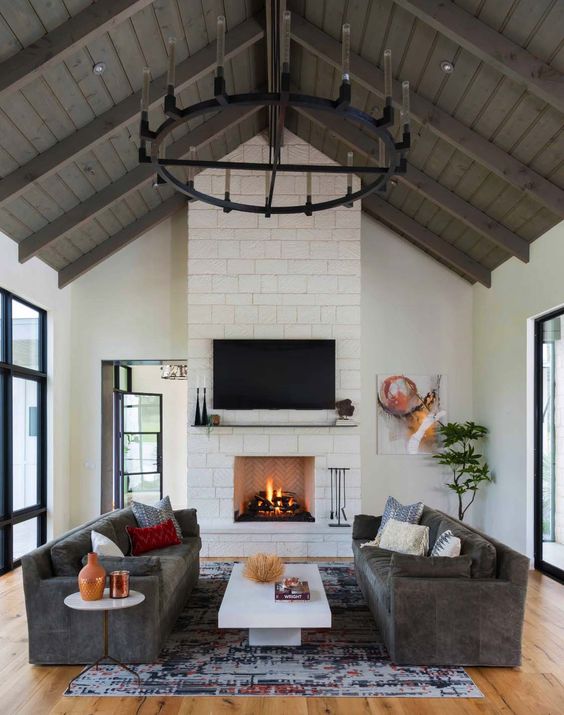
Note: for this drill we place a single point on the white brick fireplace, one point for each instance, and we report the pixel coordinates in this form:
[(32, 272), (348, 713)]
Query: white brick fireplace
[(285, 277)]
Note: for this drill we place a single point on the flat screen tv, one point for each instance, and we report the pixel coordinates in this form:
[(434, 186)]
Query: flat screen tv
[(274, 374)]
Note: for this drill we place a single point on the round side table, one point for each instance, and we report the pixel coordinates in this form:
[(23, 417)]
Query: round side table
[(105, 604)]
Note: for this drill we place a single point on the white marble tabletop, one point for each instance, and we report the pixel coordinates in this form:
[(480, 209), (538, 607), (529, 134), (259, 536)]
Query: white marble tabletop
[(104, 604)]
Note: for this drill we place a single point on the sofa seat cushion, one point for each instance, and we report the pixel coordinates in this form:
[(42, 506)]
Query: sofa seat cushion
[(68, 552), (183, 552), (430, 566), (481, 551), (136, 565)]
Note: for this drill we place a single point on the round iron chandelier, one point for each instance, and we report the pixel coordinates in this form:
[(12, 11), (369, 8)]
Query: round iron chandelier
[(388, 159)]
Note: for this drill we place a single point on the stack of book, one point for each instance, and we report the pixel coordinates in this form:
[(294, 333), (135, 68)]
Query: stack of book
[(291, 589)]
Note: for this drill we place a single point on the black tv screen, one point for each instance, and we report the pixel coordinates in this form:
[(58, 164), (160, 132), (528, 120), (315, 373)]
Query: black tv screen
[(274, 374)]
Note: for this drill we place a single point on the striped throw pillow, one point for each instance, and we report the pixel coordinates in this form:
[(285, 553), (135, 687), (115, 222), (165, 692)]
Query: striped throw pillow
[(447, 544)]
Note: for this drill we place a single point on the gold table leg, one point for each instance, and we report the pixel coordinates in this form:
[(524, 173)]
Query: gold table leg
[(105, 657)]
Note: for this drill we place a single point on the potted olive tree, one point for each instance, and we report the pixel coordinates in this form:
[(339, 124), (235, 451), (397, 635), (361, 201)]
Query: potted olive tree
[(458, 453)]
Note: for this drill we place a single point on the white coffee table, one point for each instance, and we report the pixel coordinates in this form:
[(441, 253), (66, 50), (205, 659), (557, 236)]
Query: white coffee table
[(251, 605), (105, 604)]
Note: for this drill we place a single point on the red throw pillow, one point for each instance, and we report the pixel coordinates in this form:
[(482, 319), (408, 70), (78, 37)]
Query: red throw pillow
[(152, 537)]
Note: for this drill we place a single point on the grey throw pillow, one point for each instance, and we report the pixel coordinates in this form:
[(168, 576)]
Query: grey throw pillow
[(430, 566), (152, 515)]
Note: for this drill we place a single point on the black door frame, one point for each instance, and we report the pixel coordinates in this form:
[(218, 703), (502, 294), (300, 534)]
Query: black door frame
[(540, 564), (8, 372), (119, 495)]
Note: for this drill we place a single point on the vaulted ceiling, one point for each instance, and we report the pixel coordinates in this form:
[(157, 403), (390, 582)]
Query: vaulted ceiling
[(486, 172)]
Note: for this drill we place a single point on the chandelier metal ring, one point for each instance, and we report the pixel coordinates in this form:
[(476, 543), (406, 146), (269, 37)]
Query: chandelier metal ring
[(391, 154)]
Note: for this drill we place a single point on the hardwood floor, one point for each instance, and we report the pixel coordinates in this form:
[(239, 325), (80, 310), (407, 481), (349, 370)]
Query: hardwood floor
[(536, 688)]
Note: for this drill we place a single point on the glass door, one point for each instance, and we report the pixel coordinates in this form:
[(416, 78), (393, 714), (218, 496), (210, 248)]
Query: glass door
[(139, 448), (549, 445)]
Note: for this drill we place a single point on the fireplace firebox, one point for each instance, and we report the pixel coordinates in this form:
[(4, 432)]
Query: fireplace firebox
[(272, 489)]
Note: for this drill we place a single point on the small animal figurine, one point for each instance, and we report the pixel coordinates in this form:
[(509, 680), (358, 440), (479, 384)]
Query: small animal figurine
[(345, 409)]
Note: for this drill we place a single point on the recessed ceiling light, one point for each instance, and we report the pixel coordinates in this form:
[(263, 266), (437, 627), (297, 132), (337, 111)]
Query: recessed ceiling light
[(99, 68), (447, 66)]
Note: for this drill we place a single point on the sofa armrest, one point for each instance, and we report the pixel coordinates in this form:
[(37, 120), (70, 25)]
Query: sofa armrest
[(465, 620), (365, 526), (188, 520)]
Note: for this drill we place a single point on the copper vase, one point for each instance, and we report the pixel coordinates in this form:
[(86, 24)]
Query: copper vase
[(92, 579)]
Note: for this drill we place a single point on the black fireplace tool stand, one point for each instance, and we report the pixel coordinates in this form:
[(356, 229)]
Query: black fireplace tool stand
[(339, 495)]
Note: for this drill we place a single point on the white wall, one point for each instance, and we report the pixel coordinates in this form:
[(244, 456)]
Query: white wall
[(288, 276), (132, 306), (147, 378), (416, 317), (37, 283), (503, 381)]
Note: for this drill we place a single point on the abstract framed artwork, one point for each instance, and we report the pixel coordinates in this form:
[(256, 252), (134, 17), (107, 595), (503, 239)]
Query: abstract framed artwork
[(409, 410)]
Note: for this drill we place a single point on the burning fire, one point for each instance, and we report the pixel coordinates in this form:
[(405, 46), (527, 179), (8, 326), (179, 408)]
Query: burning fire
[(270, 490)]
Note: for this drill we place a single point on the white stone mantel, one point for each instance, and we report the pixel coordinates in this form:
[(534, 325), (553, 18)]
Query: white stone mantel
[(289, 276)]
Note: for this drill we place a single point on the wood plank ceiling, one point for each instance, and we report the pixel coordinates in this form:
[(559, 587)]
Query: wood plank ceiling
[(486, 171)]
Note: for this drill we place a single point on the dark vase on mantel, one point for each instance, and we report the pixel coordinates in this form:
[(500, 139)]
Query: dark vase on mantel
[(204, 410), (197, 418)]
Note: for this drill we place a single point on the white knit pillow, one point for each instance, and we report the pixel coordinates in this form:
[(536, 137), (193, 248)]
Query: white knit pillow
[(405, 538), (447, 544), (104, 546)]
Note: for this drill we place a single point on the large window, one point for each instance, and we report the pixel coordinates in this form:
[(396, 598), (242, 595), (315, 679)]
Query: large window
[(23, 380), (549, 447)]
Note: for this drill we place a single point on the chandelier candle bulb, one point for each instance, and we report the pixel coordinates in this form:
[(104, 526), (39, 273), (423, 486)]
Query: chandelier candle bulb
[(286, 41), (145, 90), (308, 185), (170, 77), (266, 184), (388, 74), (227, 182), (350, 160), (346, 52), (382, 154), (405, 103), (220, 43)]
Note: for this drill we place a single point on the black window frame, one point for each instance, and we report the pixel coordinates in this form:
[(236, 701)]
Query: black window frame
[(8, 371), (540, 564)]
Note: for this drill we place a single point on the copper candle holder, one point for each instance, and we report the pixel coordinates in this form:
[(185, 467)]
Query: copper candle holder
[(119, 584)]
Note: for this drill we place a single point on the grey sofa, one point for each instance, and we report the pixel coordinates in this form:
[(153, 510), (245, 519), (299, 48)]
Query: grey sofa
[(463, 611), (61, 635)]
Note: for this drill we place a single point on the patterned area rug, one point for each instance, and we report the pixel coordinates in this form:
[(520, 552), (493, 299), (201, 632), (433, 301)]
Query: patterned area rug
[(348, 660)]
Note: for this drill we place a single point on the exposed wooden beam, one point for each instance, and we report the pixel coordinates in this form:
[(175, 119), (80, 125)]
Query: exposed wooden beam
[(437, 120), (120, 239), (25, 66), (194, 68), (491, 47), (133, 180), (475, 219), (428, 240)]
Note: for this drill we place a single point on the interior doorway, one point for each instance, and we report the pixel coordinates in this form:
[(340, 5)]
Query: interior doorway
[(144, 427)]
